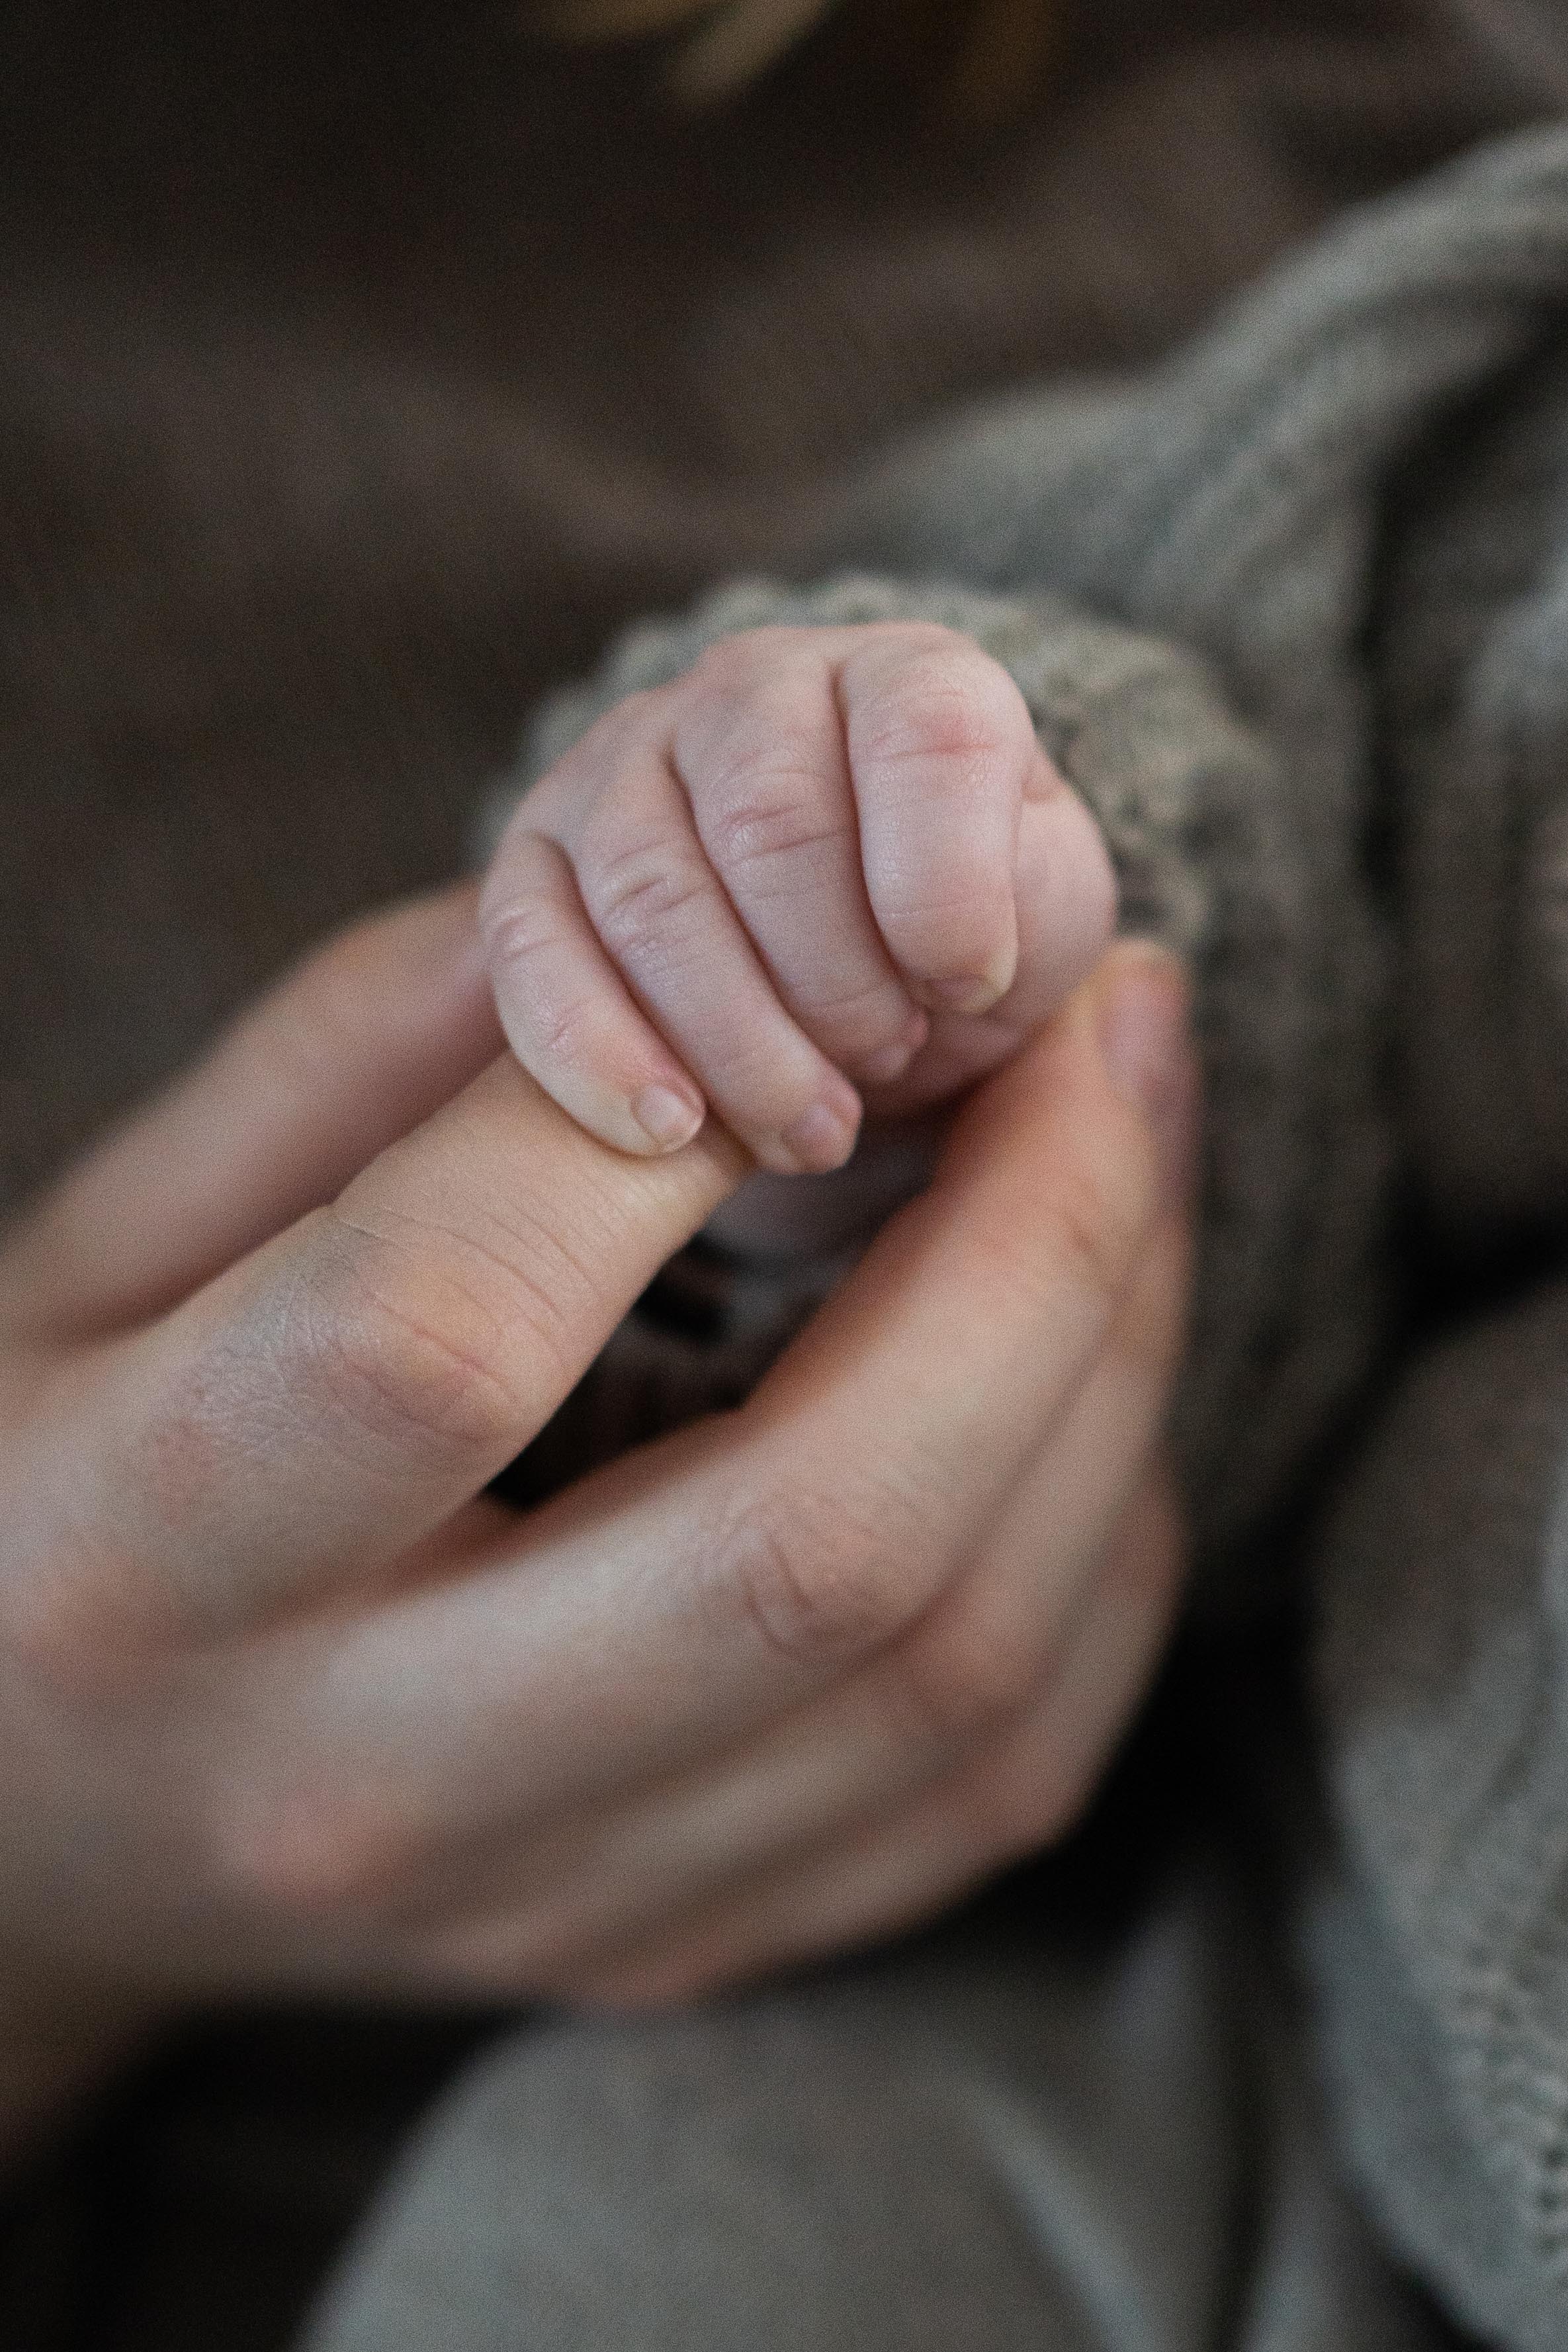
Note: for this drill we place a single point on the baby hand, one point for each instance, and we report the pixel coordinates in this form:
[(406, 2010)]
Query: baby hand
[(825, 865)]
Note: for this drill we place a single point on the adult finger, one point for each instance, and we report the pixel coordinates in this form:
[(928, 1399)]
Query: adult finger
[(300, 1423), (886, 1870), (1019, 1794), (351, 1049), (678, 1601), (968, 1671)]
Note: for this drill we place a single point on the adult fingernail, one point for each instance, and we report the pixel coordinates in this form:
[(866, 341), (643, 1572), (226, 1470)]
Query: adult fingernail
[(1144, 1012), (668, 1118)]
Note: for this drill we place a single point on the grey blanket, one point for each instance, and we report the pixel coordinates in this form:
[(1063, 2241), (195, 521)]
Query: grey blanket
[(1293, 612)]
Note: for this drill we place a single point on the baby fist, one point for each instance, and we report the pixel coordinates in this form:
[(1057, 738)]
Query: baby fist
[(823, 866)]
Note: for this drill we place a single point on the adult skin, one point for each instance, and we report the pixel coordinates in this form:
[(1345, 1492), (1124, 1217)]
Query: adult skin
[(286, 1704)]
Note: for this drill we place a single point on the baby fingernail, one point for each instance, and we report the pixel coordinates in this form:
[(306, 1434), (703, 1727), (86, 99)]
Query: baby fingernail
[(669, 1118), (822, 1138), (976, 991), (890, 1062), (965, 997)]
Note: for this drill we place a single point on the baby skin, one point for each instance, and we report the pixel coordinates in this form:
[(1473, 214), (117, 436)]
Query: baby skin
[(828, 874)]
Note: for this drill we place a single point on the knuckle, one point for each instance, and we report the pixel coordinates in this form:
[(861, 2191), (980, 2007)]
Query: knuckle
[(852, 1023), (539, 987), (519, 929), (407, 1355), (1008, 1814), (967, 1680), (945, 703), (642, 896), (405, 1377), (541, 992), (1079, 1243), (317, 1855), (818, 1580), (570, 1030), (770, 810), (83, 1624), (762, 764), (1096, 1219), (737, 662)]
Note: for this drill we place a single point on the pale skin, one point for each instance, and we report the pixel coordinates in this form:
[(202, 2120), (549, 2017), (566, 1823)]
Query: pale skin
[(824, 872), (290, 1707)]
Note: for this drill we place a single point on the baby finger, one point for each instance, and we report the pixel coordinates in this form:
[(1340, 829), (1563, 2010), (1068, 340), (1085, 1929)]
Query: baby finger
[(940, 744), (569, 1016)]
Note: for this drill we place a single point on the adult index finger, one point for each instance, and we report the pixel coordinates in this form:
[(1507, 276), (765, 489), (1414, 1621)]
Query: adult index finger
[(292, 1429)]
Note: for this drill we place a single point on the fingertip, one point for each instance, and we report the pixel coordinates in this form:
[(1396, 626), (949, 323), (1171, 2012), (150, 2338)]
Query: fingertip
[(970, 994), (650, 1121), (654, 1123), (668, 1119), (822, 1138), (890, 1062)]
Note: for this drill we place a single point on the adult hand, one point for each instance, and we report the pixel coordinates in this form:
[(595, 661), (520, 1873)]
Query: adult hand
[(283, 1706)]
